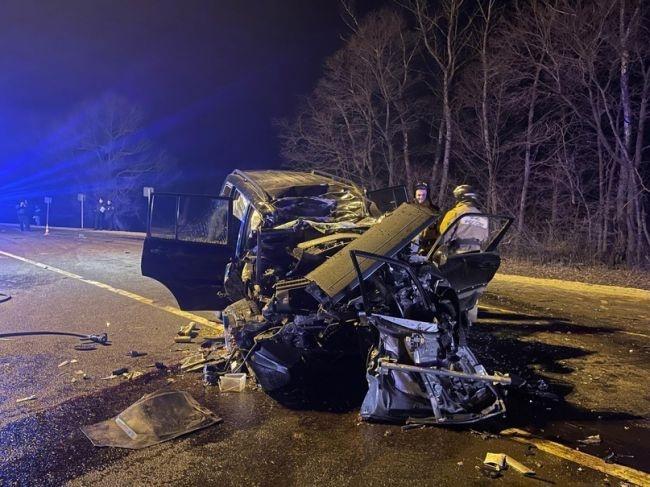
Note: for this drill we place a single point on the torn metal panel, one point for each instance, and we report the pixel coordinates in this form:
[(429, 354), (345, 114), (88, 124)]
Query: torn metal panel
[(424, 377), (386, 238), (155, 418)]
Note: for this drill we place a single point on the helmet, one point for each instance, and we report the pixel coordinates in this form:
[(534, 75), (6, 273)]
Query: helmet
[(422, 185), (465, 192)]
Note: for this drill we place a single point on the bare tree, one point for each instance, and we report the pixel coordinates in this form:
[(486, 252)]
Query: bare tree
[(359, 119), (113, 156), (444, 30)]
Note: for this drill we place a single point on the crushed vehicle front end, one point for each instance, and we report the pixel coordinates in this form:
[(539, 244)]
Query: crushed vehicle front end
[(378, 306), (329, 299)]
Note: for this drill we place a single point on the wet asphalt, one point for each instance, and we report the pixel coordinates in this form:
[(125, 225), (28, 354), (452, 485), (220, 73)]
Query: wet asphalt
[(591, 385)]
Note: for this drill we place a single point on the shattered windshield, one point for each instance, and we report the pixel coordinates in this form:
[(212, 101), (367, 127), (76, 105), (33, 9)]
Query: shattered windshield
[(325, 203)]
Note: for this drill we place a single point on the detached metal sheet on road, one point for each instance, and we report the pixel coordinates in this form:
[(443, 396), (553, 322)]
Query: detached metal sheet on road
[(386, 238)]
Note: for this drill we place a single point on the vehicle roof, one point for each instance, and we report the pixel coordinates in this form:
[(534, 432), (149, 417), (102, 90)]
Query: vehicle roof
[(269, 184)]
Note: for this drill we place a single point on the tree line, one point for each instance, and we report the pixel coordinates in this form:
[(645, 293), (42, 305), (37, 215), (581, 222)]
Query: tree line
[(542, 105)]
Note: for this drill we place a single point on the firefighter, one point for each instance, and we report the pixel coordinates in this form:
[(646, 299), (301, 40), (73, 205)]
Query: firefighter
[(100, 209), (470, 232), (109, 215), (22, 210), (429, 235)]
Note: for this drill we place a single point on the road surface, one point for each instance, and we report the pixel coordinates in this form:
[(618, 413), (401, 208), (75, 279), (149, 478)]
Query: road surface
[(584, 351)]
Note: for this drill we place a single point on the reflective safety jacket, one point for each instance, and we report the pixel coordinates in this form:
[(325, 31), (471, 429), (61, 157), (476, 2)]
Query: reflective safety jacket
[(470, 232)]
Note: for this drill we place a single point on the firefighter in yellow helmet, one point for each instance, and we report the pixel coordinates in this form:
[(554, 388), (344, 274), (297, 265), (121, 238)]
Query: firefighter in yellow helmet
[(470, 232)]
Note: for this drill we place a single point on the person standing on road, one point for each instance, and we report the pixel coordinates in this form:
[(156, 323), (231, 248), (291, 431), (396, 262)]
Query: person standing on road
[(109, 216), (429, 235), (470, 232), (37, 215), (100, 209), (22, 211)]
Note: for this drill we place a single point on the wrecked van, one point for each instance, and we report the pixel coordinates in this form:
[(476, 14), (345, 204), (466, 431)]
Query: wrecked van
[(320, 282)]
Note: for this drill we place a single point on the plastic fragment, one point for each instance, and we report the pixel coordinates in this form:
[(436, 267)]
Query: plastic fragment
[(28, 398), (591, 440)]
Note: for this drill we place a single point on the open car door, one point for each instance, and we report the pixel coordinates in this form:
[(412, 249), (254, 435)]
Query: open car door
[(190, 239), (388, 199), (467, 254)]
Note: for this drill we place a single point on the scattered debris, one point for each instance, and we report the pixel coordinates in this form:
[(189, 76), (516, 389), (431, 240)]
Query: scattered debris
[(210, 375), (188, 330), (183, 339), (483, 434), (135, 353), (155, 418), (232, 383), (613, 457), (133, 375), (561, 451), (496, 461), (80, 372), (591, 440), (120, 371), (85, 347), (489, 472), (191, 363), (519, 467), (25, 399), (501, 461), (65, 362)]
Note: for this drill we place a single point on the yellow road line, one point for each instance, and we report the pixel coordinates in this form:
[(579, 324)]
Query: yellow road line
[(625, 473), (121, 292)]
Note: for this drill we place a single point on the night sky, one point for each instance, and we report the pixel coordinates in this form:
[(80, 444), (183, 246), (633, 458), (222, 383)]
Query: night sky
[(210, 75)]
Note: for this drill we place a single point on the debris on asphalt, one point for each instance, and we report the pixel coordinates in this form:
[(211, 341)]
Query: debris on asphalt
[(530, 451), (483, 434), (85, 347), (614, 457), (120, 371), (191, 363), (210, 375), (519, 467), (81, 373), (66, 362), (488, 472), (135, 353), (153, 419), (501, 461), (496, 461), (183, 339), (25, 399), (133, 375), (188, 330), (232, 383), (591, 440)]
